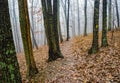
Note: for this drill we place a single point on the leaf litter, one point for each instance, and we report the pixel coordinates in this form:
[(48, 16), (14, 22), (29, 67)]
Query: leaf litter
[(77, 66)]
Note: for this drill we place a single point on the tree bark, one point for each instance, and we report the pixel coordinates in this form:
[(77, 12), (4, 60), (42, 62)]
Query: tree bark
[(51, 29), (85, 11), (9, 67), (59, 26), (33, 26), (78, 17), (110, 16), (95, 46), (117, 12), (73, 20), (68, 36), (60, 33), (25, 30), (104, 27)]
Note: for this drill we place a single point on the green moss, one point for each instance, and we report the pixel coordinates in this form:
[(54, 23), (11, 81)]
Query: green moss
[(11, 51), (11, 68), (94, 50), (2, 65), (12, 76), (7, 52)]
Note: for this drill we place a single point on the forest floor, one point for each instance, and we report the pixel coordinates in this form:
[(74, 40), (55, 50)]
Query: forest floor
[(77, 66)]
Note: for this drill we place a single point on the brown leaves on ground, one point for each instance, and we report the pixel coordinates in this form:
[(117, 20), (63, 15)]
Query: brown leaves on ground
[(78, 66)]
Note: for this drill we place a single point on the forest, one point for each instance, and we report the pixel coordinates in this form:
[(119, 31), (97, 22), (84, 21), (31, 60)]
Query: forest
[(59, 41)]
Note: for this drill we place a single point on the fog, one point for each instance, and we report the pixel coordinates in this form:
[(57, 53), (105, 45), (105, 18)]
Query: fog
[(37, 23)]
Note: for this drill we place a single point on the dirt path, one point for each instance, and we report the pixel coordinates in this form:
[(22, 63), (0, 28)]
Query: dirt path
[(60, 71), (77, 66)]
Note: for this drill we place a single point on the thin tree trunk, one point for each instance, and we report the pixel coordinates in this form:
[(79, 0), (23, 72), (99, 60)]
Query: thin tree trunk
[(73, 20), (59, 27), (65, 12), (68, 36), (78, 17), (85, 11), (110, 15), (34, 41), (32, 28), (113, 17), (65, 8), (104, 27), (117, 12), (60, 33)]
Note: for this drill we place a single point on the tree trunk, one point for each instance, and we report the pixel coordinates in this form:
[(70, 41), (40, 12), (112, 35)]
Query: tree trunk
[(85, 11), (95, 46), (68, 36), (33, 26), (25, 30), (9, 67), (78, 17), (73, 20), (59, 26), (33, 38), (117, 12), (104, 27), (60, 33), (110, 15), (16, 28), (51, 29)]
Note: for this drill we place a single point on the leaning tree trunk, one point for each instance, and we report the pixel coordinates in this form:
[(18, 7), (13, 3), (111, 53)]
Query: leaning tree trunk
[(25, 30), (95, 46), (51, 29), (104, 27), (9, 67)]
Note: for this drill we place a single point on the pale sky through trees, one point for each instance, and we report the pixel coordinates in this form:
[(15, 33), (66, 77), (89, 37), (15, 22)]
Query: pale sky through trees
[(38, 19)]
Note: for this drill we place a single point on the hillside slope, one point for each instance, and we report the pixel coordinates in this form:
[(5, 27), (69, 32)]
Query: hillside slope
[(78, 66)]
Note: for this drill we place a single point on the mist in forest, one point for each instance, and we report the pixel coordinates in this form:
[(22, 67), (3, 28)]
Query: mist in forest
[(37, 23)]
